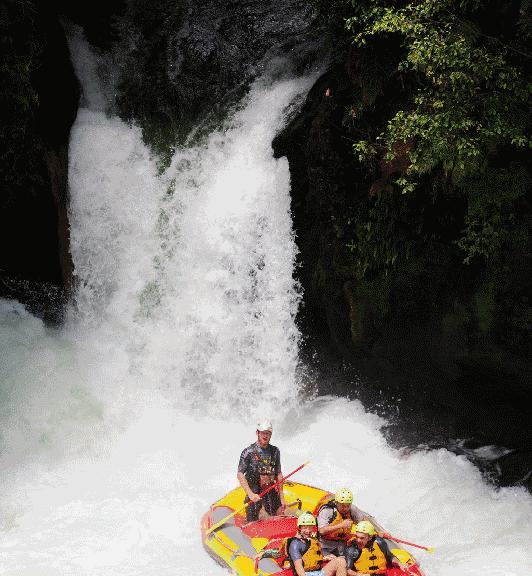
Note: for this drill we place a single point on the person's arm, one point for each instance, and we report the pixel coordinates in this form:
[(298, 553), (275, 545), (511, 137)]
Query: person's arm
[(298, 567), (249, 492), (295, 554), (352, 553), (328, 530), (325, 529), (243, 465), (391, 560)]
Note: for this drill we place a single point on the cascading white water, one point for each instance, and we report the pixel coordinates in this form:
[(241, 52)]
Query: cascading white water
[(118, 430)]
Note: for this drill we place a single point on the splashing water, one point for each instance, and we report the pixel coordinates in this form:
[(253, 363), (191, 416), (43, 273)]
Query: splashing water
[(119, 430)]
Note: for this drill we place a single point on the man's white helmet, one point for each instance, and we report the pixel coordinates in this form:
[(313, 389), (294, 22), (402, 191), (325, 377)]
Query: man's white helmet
[(264, 426)]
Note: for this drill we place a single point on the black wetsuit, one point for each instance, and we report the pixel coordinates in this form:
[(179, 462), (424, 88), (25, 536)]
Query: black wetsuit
[(251, 460)]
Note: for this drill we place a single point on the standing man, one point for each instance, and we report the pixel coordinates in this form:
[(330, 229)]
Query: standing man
[(335, 519), (260, 467)]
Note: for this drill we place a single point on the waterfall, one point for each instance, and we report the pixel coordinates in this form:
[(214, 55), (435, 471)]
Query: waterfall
[(120, 428)]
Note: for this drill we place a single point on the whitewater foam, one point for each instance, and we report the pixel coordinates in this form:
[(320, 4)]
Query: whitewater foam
[(119, 430)]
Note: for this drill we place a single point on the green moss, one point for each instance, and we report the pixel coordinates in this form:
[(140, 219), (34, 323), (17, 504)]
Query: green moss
[(162, 140)]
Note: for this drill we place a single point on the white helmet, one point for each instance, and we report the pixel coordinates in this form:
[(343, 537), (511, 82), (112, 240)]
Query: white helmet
[(264, 426)]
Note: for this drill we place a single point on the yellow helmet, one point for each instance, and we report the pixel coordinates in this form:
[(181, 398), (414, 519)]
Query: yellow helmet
[(365, 527), (344, 496), (306, 519)]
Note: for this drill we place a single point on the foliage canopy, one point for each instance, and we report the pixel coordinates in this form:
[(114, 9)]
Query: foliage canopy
[(471, 95), (457, 130)]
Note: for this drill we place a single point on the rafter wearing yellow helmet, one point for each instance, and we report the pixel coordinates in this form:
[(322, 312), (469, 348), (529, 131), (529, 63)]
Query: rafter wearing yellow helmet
[(335, 519)]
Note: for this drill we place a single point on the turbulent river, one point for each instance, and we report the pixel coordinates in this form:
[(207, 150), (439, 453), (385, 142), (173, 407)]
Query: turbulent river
[(118, 429)]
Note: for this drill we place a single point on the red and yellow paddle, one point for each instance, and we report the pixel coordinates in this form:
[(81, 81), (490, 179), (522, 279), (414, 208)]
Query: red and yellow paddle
[(229, 516), (390, 537)]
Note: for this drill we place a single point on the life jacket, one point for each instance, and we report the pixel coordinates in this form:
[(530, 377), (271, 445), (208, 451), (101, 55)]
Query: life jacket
[(336, 518), (372, 559), (266, 471), (312, 557)]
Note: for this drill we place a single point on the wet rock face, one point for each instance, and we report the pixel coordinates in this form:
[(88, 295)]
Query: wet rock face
[(97, 17), (183, 59), (326, 182), (425, 364), (427, 317), (40, 97)]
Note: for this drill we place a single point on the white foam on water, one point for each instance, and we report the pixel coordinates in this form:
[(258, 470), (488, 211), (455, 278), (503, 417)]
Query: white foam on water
[(119, 429)]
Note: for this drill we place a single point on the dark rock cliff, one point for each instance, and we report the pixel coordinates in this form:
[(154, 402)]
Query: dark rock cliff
[(186, 62), (431, 332), (39, 103)]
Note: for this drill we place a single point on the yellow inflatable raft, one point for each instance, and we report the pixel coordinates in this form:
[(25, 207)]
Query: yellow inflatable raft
[(238, 544)]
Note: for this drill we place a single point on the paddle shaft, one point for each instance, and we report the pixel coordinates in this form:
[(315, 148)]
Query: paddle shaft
[(390, 537), (229, 516)]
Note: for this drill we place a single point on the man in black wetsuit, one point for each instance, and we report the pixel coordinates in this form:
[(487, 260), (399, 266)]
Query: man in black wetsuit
[(258, 468)]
